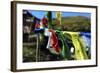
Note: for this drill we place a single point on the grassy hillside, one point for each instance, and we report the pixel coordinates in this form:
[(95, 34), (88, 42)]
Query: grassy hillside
[(75, 23)]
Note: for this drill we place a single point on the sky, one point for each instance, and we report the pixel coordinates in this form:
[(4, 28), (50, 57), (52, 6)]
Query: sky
[(41, 14)]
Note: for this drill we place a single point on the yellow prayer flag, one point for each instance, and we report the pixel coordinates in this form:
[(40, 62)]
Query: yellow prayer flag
[(80, 53), (58, 16)]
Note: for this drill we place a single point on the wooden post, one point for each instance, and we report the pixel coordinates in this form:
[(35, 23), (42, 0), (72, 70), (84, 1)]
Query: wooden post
[(49, 17), (37, 47)]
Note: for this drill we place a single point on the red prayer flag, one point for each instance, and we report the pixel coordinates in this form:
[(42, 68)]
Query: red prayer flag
[(54, 41)]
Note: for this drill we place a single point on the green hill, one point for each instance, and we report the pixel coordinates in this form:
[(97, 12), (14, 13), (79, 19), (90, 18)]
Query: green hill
[(74, 23)]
